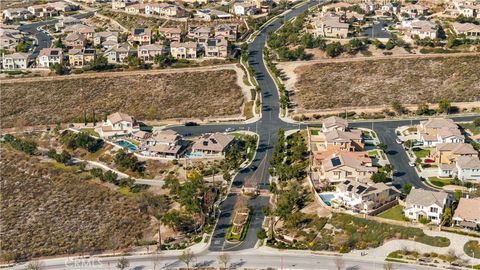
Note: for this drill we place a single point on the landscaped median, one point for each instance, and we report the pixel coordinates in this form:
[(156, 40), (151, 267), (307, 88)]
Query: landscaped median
[(239, 227)]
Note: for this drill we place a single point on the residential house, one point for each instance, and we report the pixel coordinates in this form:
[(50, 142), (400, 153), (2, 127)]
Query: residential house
[(448, 153), (427, 204), (76, 41), (15, 61), (341, 140), (330, 25), (216, 48), (122, 4), (118, 124), (244, 8), (136, 8), (171, 33), (414, 10), (63, 6), (469, 30), (148, 52), (336, 7), (81, 57), (364, 198), (212, 144), (65, 22), (226, 31), (44, 10), (49, 56), (118, 53), (183, 50), (334, 123), (467, 214), (211, 14), (465, 168), (164, 9), (341, 166), (439, 130), (197, 32), (87, 31), (105, 39), (164, 143), (140, 36), (10, 38), (423, 29), (15, 14)]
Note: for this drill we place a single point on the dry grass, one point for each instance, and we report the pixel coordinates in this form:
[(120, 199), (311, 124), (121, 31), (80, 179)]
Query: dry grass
[(49, 209), (146, 97), (370, 83)]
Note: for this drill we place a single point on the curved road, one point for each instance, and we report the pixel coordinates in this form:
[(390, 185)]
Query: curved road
[(257, 174)]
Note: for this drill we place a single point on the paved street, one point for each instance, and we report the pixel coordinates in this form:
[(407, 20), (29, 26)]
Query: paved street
[(43, 39), (249, 259)]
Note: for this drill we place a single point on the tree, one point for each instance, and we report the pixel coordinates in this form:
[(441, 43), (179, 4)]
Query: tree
[(379, 177), (59, 69), (407, 188), (334, 49), (388, 266), (382, 147), (99, 63), (186, 257), (224, 259), (261, 234), (388, 168), (58, 43), (476, 122), (444, 106), (397, 107), (339, 263), (447, 216), (422, 109), (123, 263), (457, 194)]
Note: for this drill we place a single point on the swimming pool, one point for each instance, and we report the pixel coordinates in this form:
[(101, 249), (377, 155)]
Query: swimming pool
[(126, 144), (327, 198), (194, 155)]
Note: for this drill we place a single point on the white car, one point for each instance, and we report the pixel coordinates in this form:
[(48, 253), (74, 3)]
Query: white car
[(229, 129), (411, 164), (399, 141)]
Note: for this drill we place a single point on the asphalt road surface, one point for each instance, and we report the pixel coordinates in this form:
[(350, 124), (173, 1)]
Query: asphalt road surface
[(44, 40), (267, 127), (250, 259)]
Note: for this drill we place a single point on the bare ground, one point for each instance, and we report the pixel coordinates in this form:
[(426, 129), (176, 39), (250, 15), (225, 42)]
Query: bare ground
[(150, 95), (348, 83)]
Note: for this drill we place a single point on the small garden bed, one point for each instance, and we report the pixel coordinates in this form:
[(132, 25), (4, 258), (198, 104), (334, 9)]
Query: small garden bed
[(472, 249), (440, 182), (238, 232)]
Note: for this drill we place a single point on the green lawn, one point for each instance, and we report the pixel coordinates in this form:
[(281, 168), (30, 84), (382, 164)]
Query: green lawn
[(440, 182), (421, 153), (394, 213), (471, 127), (314, 132), (373, 153)]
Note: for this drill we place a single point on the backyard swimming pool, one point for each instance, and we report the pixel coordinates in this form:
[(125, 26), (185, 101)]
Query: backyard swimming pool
[(126, 144), (327, 198)]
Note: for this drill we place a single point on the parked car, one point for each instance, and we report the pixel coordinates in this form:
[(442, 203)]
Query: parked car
[(191, 124), (411, 164), (229, 129), (399, 141)]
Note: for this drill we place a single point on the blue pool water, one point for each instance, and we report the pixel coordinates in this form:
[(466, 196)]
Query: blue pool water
[(126, 144), (192, 155), (327, 198)]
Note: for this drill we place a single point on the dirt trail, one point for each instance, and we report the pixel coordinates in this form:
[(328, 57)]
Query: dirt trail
[(121, 73)]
